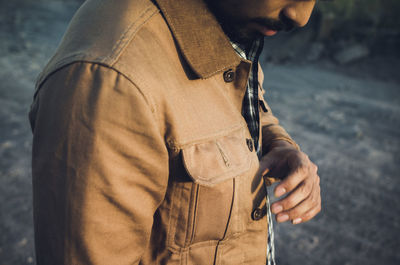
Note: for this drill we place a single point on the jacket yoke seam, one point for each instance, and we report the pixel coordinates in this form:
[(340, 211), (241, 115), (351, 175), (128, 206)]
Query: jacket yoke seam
[(106, 60), (129, 35), (146, 96), (143, 87)]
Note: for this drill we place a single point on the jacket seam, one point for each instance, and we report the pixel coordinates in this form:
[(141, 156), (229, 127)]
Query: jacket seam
[(207, 243), (154, 105), (107, 60), (66, 61), (147, 97), (129, 35), (175, 145), (170, 242)]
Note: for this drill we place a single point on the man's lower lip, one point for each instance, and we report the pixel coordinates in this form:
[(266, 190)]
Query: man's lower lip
[(265, 31), (268, 32)]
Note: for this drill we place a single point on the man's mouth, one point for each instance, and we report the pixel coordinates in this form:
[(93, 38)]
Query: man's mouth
[(268, 27), (267, 31), (264, 30)]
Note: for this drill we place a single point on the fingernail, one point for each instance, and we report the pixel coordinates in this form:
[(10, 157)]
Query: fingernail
[(280, 191), (297, 221), (283, 218), (276, 209)]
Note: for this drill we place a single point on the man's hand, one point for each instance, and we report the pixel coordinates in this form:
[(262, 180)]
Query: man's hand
[(300, 182)]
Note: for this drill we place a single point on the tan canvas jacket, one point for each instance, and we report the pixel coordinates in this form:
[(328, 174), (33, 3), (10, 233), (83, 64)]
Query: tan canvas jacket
[(140, 151)]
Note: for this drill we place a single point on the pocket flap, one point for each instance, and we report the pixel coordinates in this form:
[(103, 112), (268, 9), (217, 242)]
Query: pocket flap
[(214, 161)]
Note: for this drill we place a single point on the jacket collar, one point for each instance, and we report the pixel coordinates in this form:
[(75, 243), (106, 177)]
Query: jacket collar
[(201, 39)]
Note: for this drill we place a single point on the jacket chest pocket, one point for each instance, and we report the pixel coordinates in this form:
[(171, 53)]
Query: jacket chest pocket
[(208, 204)]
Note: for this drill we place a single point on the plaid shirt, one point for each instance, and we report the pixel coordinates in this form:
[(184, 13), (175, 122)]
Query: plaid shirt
[(250, 112), (250, 109)]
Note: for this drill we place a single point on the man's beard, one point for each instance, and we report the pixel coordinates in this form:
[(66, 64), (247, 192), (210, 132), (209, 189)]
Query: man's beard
[(238, 30)]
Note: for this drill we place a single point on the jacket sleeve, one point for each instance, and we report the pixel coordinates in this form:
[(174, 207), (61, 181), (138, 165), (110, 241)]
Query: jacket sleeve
[(271, 130), (99, 165)]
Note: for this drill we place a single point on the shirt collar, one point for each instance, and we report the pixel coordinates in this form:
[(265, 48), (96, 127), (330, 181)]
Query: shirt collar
[(200, 38), (251, 52)]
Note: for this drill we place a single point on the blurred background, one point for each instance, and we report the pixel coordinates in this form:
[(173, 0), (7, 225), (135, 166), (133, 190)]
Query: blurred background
[(335, 85)]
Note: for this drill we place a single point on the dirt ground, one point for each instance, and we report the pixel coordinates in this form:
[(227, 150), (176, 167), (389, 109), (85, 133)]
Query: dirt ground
[(346, 118)]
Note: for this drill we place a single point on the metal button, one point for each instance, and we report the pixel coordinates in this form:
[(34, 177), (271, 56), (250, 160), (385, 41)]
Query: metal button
[(257, 214), (250, 145), (229, 76)]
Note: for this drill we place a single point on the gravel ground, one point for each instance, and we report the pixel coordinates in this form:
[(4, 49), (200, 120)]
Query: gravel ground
[(350, 127), (346, 118)]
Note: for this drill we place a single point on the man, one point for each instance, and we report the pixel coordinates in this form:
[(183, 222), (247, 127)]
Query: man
[(152, 140)]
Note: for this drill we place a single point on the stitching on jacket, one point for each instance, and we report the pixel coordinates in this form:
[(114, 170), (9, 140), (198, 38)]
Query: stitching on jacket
[(172, 245), (223, 154), (147, 97), (60, 64), (144, 88), (107, 60), (209, 137), (192, 224), (230, 172), (170, 229), (128, 35), (202, 244)]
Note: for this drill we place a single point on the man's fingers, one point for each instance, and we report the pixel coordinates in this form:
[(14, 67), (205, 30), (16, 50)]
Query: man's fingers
[(301, 169), (310, 214), (291, 181), (300, 184), (295, 197), (303, 211)]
